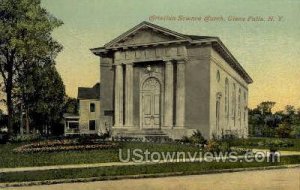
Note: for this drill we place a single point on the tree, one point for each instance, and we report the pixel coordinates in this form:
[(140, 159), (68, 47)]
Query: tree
[(284, 130), (43, 97), (261, 120), (25, 41), (71, 105), (266, 107)]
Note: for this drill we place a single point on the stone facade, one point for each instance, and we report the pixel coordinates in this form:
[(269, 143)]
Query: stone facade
[(155, 81)]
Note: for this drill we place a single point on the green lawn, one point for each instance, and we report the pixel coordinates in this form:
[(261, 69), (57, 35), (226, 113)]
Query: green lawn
[(184, 168), (10, 159), (250, 143)]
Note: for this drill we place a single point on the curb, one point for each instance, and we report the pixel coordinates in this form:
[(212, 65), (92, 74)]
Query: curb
[(141, 176)]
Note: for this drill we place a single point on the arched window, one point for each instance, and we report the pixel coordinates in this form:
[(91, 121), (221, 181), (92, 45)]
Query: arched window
[(227, 100)]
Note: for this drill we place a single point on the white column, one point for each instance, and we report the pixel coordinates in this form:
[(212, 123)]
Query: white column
[(118, 96), (169, 94), (129, 95), (180, 94)]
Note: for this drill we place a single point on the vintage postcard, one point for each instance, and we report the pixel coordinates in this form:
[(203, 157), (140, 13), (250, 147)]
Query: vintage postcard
[(136, 94)]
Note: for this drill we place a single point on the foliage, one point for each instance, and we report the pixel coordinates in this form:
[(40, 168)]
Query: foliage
[(164, 169), (25, 41), (46, 99), (283, 130), (274, 145), (70, 105), (266, 107), (197, 138), (185, 139), (295, 131), (264, 123), (217, 146), (12, 159), (281, 144), (64, 145), (24, 138)]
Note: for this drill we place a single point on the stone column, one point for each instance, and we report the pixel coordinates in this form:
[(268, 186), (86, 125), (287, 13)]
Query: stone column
[(118, 96), (129, 95), (180, 94), (169, 94)]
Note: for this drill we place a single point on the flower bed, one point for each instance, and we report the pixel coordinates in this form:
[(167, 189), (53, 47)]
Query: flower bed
[(63, 145)]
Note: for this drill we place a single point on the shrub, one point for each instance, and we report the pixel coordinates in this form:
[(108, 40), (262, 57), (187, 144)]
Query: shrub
[(283, 130), (274, 144), (197, 138), (185, 139), (25, 138), (295, 131), (217, 146), (229, 137), (63, 145)]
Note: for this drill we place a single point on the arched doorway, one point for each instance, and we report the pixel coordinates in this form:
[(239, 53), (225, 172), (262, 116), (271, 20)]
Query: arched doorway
[(151, 103)]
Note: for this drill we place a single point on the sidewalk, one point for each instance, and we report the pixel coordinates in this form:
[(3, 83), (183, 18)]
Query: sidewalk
[(70, 166)]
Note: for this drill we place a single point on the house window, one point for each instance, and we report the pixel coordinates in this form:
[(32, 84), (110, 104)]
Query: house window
[(92, 125), (92, 107), (73, 124)]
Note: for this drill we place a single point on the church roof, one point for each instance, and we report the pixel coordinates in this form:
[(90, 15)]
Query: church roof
[(176, 37), (89, 93)]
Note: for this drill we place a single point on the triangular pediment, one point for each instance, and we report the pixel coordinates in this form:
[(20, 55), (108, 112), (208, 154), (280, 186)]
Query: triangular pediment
[(146, 33)]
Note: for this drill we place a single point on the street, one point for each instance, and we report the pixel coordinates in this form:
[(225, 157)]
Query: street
[(287, 179)]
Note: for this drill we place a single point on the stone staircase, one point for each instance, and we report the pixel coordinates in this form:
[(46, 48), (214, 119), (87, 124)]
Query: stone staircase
[(144, 135)]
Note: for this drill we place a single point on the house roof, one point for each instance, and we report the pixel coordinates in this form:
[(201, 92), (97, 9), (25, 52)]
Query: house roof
[(217, 44), (89, 93)]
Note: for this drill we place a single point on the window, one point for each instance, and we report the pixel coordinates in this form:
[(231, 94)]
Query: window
[(227, 100), (239, 107), (92, 107), (245, 108), (73, 124), (218, 76), (92, 125), (218, 114), (233, 103)]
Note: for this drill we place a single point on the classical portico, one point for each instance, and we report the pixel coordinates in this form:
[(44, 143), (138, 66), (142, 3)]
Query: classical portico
[(161, 82), (155, 81)]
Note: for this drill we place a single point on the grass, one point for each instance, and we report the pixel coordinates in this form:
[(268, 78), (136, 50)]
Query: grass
[(185, 168), (9, 159), (248, 143)]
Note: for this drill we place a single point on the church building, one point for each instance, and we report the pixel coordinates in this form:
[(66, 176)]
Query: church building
[(155, 81)]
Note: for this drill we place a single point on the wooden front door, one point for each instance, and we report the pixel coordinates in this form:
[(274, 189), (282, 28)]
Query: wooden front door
[(151, 103)]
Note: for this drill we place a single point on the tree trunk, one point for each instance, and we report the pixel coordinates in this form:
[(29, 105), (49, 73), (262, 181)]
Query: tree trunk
[(21, 120), (27, 122), (9, 103)]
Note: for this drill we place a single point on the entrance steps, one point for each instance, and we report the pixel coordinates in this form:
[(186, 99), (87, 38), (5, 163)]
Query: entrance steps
[(145, 135)]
